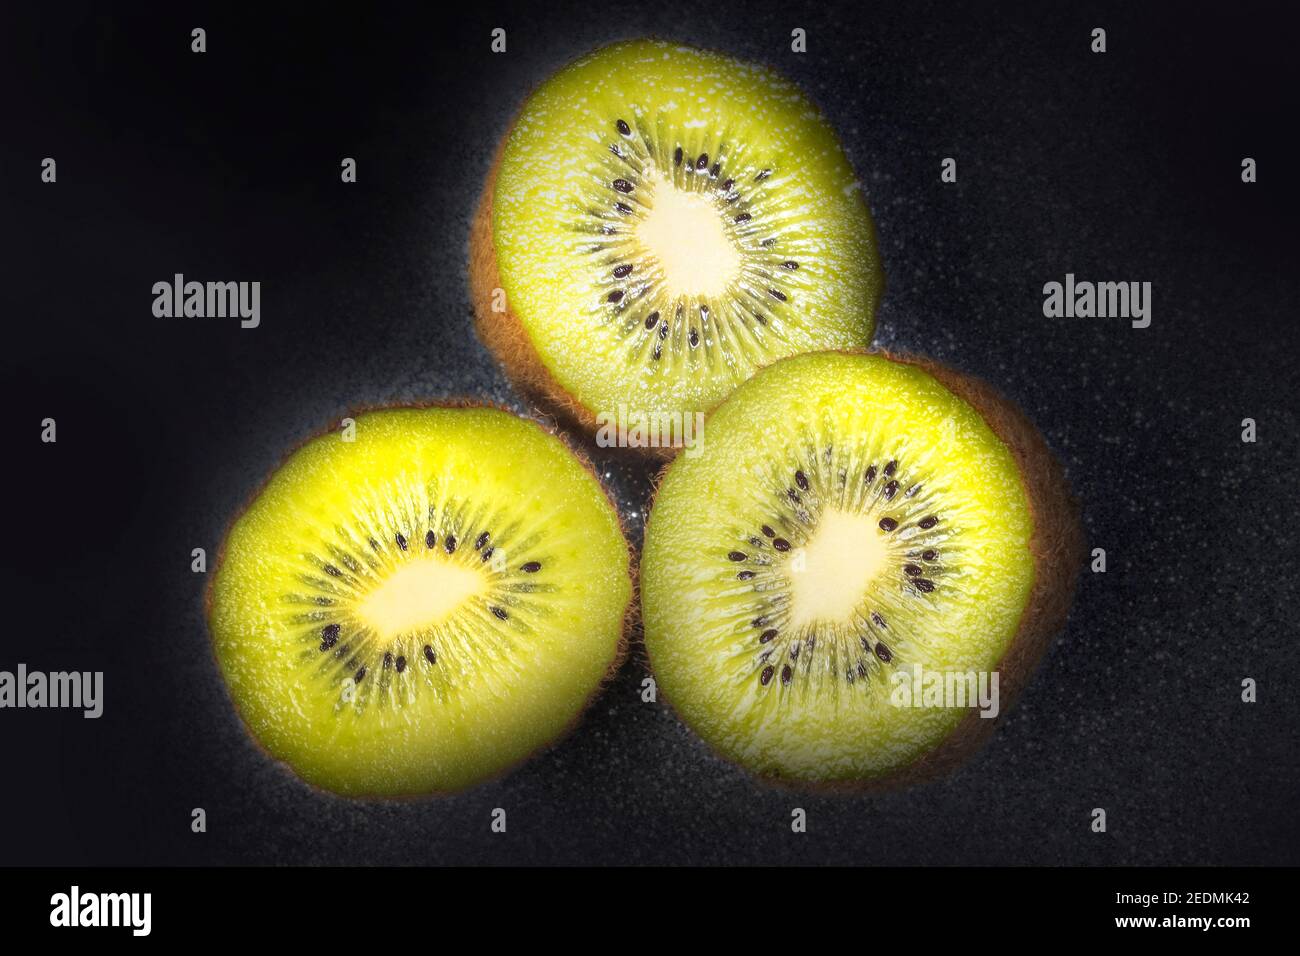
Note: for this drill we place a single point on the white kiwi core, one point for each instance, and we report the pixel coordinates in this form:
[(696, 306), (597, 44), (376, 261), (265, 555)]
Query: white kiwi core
[(830, 576), (420, 594), (685, 233)]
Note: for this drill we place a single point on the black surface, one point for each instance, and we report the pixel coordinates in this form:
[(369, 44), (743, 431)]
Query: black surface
[(1123, 166)]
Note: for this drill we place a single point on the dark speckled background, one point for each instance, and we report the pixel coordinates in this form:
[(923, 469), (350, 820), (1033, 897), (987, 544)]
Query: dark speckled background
[(225, 166)]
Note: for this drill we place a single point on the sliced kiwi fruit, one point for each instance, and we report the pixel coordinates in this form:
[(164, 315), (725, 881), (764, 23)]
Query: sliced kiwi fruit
[(661, 221), (419, 608), (853, 517)]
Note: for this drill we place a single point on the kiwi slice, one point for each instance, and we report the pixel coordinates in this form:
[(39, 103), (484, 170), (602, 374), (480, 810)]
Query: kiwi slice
[(853, 517), (420, 608), (663, 221)]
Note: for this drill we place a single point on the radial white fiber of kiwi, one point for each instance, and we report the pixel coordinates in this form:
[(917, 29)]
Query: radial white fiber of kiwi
[(420, 608), (660, 222), (856, 523)]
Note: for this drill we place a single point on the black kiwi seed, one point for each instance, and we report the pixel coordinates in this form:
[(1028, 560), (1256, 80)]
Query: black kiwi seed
[(884, 653), (769, 532), (912, 570), (923, 584), (888, 524), (663, 330), (758, 622), (930, 555), (401, 542), (694, 338), (329, 636), (714, 171), (430, 655), (768, 243), (621, 271), (891, 489), (786, 674), (360, 675), (870, 476), (677, 156), (890, 468), (726, 187), (622, 207), (615, 296), (736, 555), (651, 320), (450, 544), (703, 161), (776, 294), (430, 539), (762, 175), (623, 128), (756, 541), (659, 350), (765, 678), (400, 664), (879, 621), (332, 571), (929, 521), (388, 659), (790, 265), (622, 185), (500, 612), (801, 480), (745, 575), (767, 636), (532, 567), (487, 555), (481, 540), (781, 544), (862, 669), (744, 217)]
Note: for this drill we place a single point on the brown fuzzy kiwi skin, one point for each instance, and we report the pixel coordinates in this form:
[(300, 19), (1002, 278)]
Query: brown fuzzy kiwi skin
[(631, 613), (1058, 548)]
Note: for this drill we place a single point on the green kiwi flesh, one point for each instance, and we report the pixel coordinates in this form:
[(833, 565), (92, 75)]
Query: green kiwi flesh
[(853, 518), (662, 221), (416, 606)]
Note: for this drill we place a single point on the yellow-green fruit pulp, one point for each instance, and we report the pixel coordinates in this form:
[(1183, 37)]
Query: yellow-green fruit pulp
[(848, 521), (666, 220), (418, 608)]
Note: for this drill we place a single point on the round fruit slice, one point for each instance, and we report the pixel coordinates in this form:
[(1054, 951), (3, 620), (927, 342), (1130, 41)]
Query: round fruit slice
[(660, 222), (854, 526), (420, 608)]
